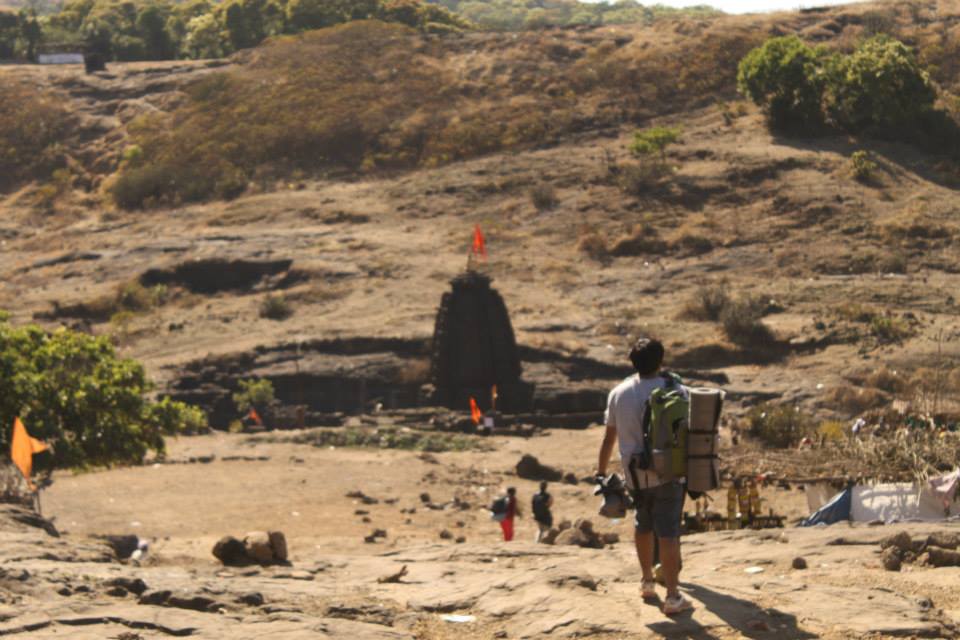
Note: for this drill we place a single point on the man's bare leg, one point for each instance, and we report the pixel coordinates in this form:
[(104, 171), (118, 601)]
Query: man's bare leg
[(670, 561), (644, 542)]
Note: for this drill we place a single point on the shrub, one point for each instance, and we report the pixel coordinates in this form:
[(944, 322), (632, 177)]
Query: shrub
[(861, 166), (254, 393), (784, 77), (593, 244), (832, 430), (653, 141), (742, 322), (73, 391), (708, 302), (543, 196), (779, 425), (643, 239), (889, 329), (853, 401), (276, 307), (33, 123), (880, 87), (643, 177)]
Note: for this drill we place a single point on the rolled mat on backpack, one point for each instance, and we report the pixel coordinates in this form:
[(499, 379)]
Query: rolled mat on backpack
[(703, 439)]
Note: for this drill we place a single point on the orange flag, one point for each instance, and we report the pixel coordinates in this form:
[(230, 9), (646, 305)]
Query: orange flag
[(479, 244), (493, 397), (22, 448), (253, 415), (475, 411)]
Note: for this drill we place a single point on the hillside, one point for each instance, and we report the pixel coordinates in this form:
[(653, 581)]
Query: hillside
[(860, 276)]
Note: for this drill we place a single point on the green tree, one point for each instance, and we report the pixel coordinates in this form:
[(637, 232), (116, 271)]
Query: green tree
[(316, 14), (254, 394), (785, 78), (9, 33), (30, 33), (72, 390), (204, 38), (879, 87), (152, 28)]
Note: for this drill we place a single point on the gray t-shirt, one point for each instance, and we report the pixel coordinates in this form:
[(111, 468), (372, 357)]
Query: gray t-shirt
[(625, 407)]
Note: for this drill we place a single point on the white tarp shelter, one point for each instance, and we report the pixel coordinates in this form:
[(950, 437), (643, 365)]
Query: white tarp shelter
[(60, 58), (894, 501)]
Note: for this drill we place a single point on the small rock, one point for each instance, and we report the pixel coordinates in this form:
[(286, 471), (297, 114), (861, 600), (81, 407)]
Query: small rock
[(117, 592), (891, 558), (257, 546), (460, 539), (799, 563), (194, 603), (361, 512), (366, 520), (610, 538), (155, 597), (901, 541), (135, 586), (757, 625), (253, 599), (278, 542), (569, 478), (446, 535), (380, 533), (64, 591), (425, 498), (230, 551)]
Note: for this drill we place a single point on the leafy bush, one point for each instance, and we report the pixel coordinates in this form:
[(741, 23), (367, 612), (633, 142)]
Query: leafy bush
[(861, 166), (879, 87), (254, 393), (73, 391), (382, 438), (785, 78), (779, 425), (276, 307)]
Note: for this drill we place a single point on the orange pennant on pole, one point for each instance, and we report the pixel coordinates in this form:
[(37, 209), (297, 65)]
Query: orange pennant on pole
[(479, 243), (253, 415), (22, 448), (475, 412)]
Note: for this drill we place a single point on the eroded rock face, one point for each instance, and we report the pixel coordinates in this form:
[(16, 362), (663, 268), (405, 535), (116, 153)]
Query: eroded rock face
[(474, 348)]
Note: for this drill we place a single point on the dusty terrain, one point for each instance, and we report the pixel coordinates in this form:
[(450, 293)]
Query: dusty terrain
[(53, 587)]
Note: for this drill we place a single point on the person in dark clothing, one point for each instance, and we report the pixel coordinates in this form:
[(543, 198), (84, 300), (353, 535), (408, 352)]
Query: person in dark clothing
[(542, 502)]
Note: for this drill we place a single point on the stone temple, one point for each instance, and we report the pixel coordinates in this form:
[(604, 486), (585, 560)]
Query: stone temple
[(474, 348)]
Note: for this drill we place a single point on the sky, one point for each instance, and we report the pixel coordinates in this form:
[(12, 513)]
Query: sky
[(749, 6)]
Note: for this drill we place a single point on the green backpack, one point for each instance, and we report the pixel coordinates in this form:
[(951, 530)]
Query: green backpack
[(666, 422)]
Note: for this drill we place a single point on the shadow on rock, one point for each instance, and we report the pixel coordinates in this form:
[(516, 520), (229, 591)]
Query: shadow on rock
[(742, 615)]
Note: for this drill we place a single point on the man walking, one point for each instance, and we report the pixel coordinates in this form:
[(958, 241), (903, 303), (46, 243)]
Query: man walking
[(659, 504), (542, 502)]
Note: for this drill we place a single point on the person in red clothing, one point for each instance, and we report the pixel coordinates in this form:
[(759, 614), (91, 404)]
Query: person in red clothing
[(512, 511)]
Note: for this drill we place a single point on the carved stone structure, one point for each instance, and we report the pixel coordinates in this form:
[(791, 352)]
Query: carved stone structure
[(474, 348)]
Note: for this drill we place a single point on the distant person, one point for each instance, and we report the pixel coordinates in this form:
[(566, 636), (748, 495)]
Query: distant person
[(542, 502), (659, 504), (504, 509)]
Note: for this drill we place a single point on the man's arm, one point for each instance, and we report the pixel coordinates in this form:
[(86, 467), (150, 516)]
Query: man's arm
[(606, 449)]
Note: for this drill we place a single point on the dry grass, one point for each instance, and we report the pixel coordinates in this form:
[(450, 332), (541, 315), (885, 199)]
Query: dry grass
[(33, 125)]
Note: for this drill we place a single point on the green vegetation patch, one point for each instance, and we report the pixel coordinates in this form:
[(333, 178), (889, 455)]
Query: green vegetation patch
[(383, 438)]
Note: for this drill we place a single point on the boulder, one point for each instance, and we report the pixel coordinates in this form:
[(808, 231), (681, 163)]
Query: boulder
[(901, 541), (257, 547), (278, 542), (937, 557), (230, 551), (531, 469), (610, 538), (550, 537), (572, 537), (799, 563), (943, 540), (564, 525), (891, 558)]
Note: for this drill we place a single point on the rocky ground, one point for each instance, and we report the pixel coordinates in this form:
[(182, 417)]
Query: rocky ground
[(745, 584)]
